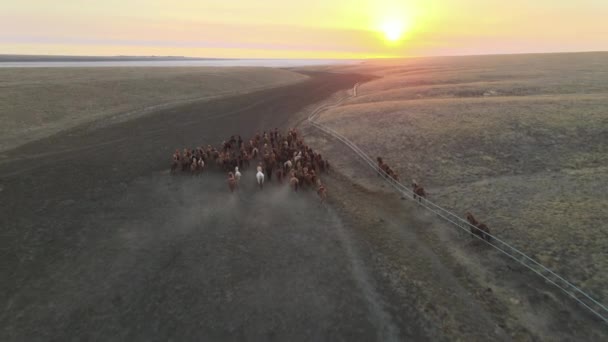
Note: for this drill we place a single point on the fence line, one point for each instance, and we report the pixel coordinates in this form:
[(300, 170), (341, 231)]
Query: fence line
[(583, 298)]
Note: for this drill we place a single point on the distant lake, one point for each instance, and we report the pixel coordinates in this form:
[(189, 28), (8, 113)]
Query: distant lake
[(276, 63)]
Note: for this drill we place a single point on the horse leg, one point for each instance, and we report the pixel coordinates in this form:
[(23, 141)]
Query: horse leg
[(486, 233)]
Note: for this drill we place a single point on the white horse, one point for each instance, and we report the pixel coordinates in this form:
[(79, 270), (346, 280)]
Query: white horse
[(287, 165), (260, 178), (237, 174)]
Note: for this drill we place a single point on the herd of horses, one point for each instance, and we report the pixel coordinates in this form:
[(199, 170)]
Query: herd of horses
[(477, 228), (287, 158), (283, 155)]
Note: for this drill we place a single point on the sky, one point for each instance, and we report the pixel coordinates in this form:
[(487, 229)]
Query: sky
[(301, 29)]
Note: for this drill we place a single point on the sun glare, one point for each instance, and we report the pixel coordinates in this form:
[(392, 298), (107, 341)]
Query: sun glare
[(394, 29)]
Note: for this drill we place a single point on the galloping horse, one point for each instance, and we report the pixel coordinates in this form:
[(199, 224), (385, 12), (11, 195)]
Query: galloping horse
[(294, 182), (322, 192), (201, 165), (280, 175), (237, 175), (231, 182), (176, 161), (418, 191), (380, 163), (482, 230), (287, 165), (260, 177), (185, 160)]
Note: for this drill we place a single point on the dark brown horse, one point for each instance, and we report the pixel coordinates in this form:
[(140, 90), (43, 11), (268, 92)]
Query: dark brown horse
[(381, 165), (418, 191), (482, 230), (280, 175)]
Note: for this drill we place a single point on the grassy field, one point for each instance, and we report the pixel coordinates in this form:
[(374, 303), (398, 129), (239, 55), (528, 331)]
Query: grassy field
[(37, 102), (521, 141)]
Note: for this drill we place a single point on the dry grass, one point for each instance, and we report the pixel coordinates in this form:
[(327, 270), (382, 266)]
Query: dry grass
[(522, 141), (37, 102)]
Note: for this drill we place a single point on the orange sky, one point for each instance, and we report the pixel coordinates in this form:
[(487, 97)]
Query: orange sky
[(300, 29)]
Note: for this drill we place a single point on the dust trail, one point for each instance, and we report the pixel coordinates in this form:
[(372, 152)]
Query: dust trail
[(387, 330)]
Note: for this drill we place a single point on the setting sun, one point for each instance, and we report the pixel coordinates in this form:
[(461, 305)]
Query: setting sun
[(393, 30)]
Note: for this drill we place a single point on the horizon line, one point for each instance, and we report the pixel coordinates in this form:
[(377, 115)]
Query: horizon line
[(278, 58)]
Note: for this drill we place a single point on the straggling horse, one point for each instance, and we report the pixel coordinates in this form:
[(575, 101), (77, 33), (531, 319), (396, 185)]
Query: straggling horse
[(418, 191), (482, 230)]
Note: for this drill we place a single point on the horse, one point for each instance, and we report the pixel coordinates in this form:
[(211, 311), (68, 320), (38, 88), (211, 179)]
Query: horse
[(185, 160), (418, 191), (176, 162), (269, 167), (231, 182), (287, 165), (280, 175), (201, 165), (482, 230), (322, 192), (237, 175), (380, 164), (260, 177), (294, 182), (308, 179), (246, 161), (396, 176)]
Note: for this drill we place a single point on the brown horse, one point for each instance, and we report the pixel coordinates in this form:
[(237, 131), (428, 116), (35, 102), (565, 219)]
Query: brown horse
[(176, 161), (231, 181), (396, 176), (185, 160), (380, 162), (246, 159), (418, 191), (280, 175), (322, 192), (294, 182), (308, 179), (482, 230)]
